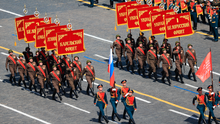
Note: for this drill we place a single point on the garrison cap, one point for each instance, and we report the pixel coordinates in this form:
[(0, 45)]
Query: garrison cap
[(53, 66), (76, 56), (151, 45), (99, 86), (199, 89), (131, 91), (140, 43), (176, 42), (118, 35), (189, 45), (10, 51), (20, 55), (129, 34), (36, 52), (40, 61), (164, 49), (128, 39), (123, 81), (210, 86), (30, 58), (88, 61)]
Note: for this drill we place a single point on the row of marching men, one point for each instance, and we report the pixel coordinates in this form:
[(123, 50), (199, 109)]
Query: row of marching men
[(143, 51), (128, 100), (208, 100), (50, 68)]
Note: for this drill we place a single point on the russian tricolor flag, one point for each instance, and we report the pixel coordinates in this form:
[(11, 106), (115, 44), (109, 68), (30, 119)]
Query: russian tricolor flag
[(111, 69)]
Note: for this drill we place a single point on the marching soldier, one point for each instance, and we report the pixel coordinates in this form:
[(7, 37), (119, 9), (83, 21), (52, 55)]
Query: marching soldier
[(152, 61), (66, 61), (155, 44), (179, 57), (101, 102), (31, 69), (115, 96), (90, 76), (129, 49), (193, 14), (192, 60), (11, 61), (123, 91), (42, 75), (78, 66), (211, 104), (21, 69), (72, 73), (166, 65), (37, 57), (167, 46), (56, 80), (62, 68), (176, 43), (118, 44), (142, 39), (141, 55), (201, 99), (214, 25), (42, 53), (208, 15), (130, 105), (111, 3), (131, 39), (53, 58), (27, 53)]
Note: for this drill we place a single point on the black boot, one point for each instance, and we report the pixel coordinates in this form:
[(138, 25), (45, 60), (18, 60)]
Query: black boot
[(150, 72), (168, 79), (71, 93), (14, 80), (54, 93), (204, 121), (194, 76), (100, 117), (195, 26), (209, 119), (19, 82), (124, 114), (132, 69), (59, 95), (24, 84), (87, 91), (155, 76), (176, 75), (132, 120), (118, 117), (129, 121), (10, 79), (96, 1), (163, 79), (116, 64), (214, 118), (74, 91), (113, 115), (40, 92), (128, 67), (111, 4), (51, 87), (139, 71), (30, 86), (106, 119), (43, 90), (189, 74), (181, 78), (200, 118), (143, 72), (35, 88), (92, 91), (121, 65)]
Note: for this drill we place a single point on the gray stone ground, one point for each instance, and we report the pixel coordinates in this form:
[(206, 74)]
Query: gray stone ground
[(99, 22)]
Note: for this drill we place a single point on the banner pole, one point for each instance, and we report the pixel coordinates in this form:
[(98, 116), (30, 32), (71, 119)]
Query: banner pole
[(212, 79)]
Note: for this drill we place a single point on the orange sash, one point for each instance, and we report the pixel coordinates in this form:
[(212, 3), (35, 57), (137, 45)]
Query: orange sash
[(56, 76), (153, 53), (119, 44), (77, 65), (72, 73), (200, 99), (179, 57), (166, 59), (90, 70), (66, 62), (27, 55), (124, 91), (31, 66), (21, 64), (101, 97), (42, 71), (141, 50), (54, 58), (130, 48), (12, 59), (43, 55), (60, 69), (191, 54)]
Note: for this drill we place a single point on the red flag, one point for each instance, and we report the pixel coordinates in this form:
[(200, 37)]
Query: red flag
[(204, 70)]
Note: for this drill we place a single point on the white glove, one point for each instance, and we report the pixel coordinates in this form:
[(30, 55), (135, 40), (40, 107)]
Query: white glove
[(213, 107), (116, 102), (126, 1), (201, 5), (211, 0), (216, 27), (218, 105), (184, 0), (126, 95), (113, 89), (209, 17), (212, 93)]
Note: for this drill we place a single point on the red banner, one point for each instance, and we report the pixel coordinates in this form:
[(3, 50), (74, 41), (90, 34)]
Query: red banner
[(29, 28), (199, 10), (121, 11), (144, 17), (178, 25), (20, 25), (132, 17), (204, 70), (39, 36), (50, 36), (70, 42), (157, 21), (183, 5), (157, 2)]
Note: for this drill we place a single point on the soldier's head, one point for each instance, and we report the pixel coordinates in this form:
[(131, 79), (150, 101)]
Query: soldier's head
[(42, 49), (100, 86), (193, 0), (208, 3), (58, 59), (130, 92), (164, 44), (64, 56), (53, 51), (140, 44), (129, 35), (40, 62), (76, 58), (71, 64), (141, 34), (152, 37), (54, 67), (151, 46), (199, 90), (210, 88), (178, 47), (128, 40), (27, 49), (164, 50), (177, 43), (88, 62), (171, 2), (165, 40), (123, 82), (190, 46), (20, 56), (30, 59), (214, 11), (118, 37), (10, 52), (37, 53)]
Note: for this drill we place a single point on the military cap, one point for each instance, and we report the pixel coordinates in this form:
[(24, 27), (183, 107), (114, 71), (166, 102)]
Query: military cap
[(199, 89), (165, 39), (176, 42), (189, 45), (123, 81), (118, 35), (151, 45), (164, 49), (36, 52), (140, 43), (20, 55), (76, 56), (40, 61), (128, 39), (30, 58), (129, 34), (88, 61), (27, 48), (152, 36), (99, 86), (10, 51), (53, 66), (131, 91), (210, 86)]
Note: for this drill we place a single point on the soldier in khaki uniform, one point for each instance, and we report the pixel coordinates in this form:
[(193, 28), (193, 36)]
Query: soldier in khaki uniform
[(155, 44), (119, 45), (192, 60), (129, 49), (90, 76), (141, 55), (31, 69), (152, 61), (55, 75), (22, 70), (27, 54), (179, 57), (11, 60), (42, 75), (78, 66), (72, 73), (166, 65)]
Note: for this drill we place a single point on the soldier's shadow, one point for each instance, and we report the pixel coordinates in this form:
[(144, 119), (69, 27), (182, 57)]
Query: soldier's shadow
[(190, 120)]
